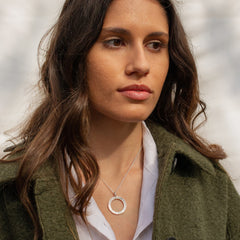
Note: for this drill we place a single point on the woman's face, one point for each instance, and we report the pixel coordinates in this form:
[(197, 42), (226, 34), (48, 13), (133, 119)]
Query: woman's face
[(128, 64)]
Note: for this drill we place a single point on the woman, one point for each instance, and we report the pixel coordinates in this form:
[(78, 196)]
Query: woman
[(88, 167)]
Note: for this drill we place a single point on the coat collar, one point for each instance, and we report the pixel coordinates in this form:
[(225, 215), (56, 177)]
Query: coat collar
[(8, 171), (166, 142), (50, 199), (54, 215), (49, 196), (171, 145)]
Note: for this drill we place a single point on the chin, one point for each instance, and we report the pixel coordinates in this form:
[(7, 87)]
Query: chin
[(128, 115), (133, 118)]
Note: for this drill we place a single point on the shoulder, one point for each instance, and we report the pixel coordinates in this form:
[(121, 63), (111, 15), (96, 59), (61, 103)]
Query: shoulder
[(15, 222), (8, 171), (10, 165), (173, 146), (184, 157), (193, 189)]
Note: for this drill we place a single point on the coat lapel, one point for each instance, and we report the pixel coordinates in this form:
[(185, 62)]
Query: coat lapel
[(55, 218), (169, 144), (176, 196)]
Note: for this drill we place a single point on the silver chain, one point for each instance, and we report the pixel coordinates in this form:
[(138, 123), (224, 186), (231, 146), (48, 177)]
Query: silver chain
[(125, 175)]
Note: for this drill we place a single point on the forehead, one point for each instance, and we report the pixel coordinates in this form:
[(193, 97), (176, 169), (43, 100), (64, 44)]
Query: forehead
[(136, 14)]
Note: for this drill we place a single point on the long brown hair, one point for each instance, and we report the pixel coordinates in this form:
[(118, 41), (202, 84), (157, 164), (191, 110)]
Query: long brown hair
[(60, 124)]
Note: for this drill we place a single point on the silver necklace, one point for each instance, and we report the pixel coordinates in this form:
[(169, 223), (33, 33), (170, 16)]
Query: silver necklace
[(115, 196)]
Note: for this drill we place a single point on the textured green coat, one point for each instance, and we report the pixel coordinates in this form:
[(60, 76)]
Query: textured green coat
[(195, 199)]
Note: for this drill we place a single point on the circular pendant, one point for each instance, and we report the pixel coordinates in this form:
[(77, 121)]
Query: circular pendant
[(118, 199)]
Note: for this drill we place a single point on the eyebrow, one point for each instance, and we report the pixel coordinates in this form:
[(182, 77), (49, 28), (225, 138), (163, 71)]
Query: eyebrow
[(127, 33)]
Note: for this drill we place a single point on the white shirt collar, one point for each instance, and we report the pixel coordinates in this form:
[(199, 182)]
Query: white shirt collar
[(97, 221), (150, 176)]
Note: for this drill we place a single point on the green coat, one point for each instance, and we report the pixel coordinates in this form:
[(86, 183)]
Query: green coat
[(195, 200)]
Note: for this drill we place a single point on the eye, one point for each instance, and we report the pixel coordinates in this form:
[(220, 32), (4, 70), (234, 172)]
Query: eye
[(155, 45), (113, 43)]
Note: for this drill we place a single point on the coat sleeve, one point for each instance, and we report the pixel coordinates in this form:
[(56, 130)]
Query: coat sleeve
[(15, 224), (233, 227), (4, 223)]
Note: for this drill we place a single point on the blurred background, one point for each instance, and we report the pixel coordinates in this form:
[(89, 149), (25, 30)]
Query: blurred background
[(213, 27)]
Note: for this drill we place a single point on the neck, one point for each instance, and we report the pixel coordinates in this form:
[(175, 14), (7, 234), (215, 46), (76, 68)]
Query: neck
[(115, 143)]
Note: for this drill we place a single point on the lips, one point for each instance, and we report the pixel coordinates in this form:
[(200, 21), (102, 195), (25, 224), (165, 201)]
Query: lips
[(136, 92), (140, 88)]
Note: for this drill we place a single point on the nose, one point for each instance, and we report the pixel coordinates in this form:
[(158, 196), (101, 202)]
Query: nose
[(137, 63)]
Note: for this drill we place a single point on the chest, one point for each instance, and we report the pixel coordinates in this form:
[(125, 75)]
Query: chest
[(190, 207), (130, 192)]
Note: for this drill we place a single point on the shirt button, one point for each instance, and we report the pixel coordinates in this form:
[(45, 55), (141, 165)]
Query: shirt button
[(174, 164)]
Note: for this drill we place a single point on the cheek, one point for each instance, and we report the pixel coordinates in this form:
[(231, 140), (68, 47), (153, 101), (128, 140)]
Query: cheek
[(100, 83), (95, 70), (101, 71), (160, 72), (97, 75)]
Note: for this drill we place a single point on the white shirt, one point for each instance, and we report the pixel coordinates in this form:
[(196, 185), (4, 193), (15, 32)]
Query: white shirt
[(99, 228)]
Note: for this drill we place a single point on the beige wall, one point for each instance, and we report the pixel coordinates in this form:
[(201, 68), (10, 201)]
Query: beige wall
[(213, 26)]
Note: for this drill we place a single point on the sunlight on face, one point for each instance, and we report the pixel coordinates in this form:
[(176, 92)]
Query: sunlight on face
[(128, 64)]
